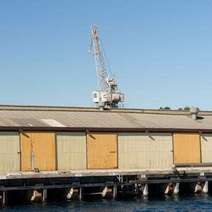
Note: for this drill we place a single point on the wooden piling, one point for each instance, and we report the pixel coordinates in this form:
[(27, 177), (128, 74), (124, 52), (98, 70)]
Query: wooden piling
[(4, 198), (176, 189), (198, 188), (114, 191), (37, 196), (80, 194), (205, 187), (44, 195), (146, 190)]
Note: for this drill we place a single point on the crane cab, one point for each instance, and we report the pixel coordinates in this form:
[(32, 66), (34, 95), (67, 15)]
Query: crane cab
[(106, 99)]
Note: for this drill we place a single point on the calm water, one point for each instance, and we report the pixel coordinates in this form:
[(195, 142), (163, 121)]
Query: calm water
[(192, 203)]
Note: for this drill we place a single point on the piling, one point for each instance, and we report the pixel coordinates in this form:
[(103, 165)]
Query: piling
[(176, 189), (37, 196), (115, 191), (80, 194), (198, 188), (146, 190), (205, 187), (3, 198), (44, 195)]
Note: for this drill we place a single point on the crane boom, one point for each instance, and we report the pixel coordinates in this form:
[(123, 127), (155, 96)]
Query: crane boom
[(99, 59), (107, 96)]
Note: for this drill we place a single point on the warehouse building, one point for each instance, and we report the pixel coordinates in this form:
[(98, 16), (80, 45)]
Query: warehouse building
[(35, 138)]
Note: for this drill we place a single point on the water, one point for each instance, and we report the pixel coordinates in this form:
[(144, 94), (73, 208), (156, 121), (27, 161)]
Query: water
[(189, 203)]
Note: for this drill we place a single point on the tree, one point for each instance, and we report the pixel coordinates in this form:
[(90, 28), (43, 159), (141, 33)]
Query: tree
[(165, 108), (186, 108)]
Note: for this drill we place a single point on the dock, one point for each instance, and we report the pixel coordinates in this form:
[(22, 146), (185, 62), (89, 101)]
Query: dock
[(70, 153), (75, 184)]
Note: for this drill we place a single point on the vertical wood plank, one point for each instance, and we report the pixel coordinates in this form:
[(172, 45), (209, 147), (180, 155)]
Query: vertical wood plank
[(26, 152)]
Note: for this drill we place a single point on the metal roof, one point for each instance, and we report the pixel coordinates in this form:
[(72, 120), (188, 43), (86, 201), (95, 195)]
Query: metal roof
[(81, 118)]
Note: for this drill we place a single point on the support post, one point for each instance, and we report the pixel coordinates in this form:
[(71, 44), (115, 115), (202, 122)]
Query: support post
[(176, 188), (145, 190), (80, 194), (205, 187), (114, 191), (4, 198), (36, 196), (198, 188), (44, 196), (169, 189), (70, 193), (104, 192)]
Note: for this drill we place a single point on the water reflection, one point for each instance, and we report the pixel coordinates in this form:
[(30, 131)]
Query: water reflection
[(167, 203)]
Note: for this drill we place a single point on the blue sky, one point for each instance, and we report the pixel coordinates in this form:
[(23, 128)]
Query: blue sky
[(159, 50)]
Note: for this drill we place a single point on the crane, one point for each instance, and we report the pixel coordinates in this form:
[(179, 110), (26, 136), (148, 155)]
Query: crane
[(108, 95)]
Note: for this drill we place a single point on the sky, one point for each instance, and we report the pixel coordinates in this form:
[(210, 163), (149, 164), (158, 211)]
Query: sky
[(159, 50)]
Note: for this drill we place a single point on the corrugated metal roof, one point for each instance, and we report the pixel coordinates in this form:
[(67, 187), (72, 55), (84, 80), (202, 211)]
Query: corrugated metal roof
[(92, 118)]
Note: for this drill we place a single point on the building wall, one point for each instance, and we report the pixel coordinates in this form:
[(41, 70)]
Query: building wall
[(71, 151), (133, 150), (206, 148), (9, 152), (144, 151)]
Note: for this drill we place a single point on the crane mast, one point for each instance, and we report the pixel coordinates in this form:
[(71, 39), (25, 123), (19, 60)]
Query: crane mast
[(107, 96)]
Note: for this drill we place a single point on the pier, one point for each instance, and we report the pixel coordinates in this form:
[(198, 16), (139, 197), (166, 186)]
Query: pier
[(67, 153), (77, 185)]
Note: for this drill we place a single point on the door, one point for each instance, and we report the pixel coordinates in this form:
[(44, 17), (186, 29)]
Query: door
[(37, 151), (101, 151), (186, 148)]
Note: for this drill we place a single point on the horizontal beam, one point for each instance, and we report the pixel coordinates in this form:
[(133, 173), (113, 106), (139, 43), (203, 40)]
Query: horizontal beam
[(84, 185), (102, 129)]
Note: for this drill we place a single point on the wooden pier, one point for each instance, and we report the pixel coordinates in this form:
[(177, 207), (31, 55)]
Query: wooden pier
[(105, 183), (70, 153)]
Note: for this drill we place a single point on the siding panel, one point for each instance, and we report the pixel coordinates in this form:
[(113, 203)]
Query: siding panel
[(71, 151), (9, 152), (141, 151), (206, 147)]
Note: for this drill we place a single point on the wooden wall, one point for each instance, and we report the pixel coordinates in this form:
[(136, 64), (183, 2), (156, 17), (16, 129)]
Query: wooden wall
[(77, 151)]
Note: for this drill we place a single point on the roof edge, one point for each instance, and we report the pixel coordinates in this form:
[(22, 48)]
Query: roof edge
[(95, 109), (117, 130)]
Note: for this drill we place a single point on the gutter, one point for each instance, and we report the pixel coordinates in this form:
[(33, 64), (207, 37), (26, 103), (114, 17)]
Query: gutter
[(98, 129)]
